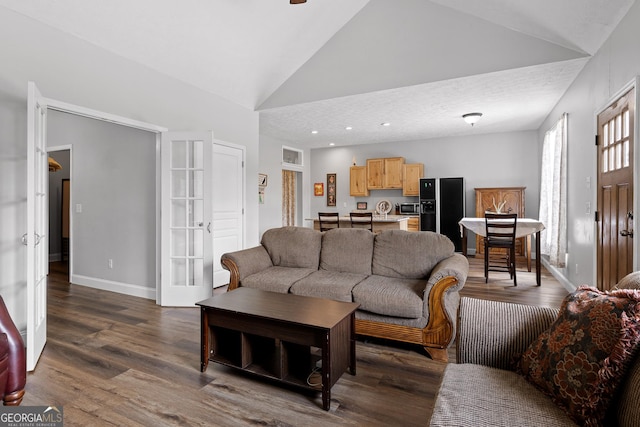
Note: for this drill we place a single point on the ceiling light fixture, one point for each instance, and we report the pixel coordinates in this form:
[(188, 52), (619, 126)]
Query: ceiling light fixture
[(472, 118), (331, 144), (385, 124), (314, 132), (348, 128), (297, 1)]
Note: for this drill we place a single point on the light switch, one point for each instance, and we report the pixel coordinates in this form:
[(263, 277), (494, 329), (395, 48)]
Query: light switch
[(78, 208)]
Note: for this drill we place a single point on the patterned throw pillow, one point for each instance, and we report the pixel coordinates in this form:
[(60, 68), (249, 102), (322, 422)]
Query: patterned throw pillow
[(581, 359)]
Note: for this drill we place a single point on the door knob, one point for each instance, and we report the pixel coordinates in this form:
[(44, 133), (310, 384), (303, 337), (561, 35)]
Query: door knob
[(626, 233)]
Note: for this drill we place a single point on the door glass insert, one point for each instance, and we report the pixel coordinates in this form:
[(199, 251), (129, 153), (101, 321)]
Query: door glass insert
[(187, 213)]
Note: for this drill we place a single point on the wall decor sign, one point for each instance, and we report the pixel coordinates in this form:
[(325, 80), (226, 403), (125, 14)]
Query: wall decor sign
[(361, 206), (331, 189), (262, 184), (318, 189)]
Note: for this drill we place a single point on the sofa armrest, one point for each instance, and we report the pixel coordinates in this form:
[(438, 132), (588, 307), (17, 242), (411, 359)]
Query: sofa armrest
[(456, 265), (441, 297), (245, 263), (493, 333)]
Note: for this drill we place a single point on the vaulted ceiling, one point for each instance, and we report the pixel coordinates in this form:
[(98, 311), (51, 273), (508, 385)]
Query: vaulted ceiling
[(330, 64)]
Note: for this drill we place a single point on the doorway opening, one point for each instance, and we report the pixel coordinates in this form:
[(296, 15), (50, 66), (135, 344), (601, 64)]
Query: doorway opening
[(60, 211), (291, 198)]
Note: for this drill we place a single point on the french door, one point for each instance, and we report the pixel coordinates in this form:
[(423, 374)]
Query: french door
[(36, 238), (186, 219)]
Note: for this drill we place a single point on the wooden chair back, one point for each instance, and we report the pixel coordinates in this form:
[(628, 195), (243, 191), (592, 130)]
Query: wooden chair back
[(500, 232), (328, 220), (362, 220)]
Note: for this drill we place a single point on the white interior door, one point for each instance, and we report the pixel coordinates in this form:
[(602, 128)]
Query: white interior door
[(186, 203), (228, 206), (36, 238)]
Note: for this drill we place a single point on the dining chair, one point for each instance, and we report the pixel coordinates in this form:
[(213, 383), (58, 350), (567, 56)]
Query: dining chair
[(328, 220), (500, 233), (362, 220)]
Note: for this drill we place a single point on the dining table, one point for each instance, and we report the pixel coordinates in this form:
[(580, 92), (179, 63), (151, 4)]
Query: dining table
[(525, 227)]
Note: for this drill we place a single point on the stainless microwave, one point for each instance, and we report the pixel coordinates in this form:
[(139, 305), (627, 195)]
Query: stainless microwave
[(409, 208)]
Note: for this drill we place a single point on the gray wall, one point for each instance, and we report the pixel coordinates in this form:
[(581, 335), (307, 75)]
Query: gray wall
[(68, 69), (115, 183), (494, 160), (614, 65)]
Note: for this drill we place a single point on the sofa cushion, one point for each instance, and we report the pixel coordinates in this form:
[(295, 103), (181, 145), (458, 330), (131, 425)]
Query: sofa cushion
[(328, 284), (581, 359), (347, 249), (409, 255), (293, 246), (276, 279), (391, 296), (476, 395)]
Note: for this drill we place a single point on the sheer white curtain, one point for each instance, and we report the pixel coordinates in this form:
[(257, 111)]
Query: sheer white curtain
[(553, 193)]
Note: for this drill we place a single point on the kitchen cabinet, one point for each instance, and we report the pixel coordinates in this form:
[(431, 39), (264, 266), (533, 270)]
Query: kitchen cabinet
[(411, 175), (358, 181), (510, 199), (413, 224), (385, 173)]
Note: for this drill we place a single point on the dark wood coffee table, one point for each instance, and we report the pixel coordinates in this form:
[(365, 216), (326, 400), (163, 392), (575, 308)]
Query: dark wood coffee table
[(280, 336)]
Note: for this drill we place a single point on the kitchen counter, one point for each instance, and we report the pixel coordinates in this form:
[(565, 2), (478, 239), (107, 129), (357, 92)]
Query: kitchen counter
[(380, 222)]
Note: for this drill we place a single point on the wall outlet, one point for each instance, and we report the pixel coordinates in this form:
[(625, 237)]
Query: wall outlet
[(110, 263)]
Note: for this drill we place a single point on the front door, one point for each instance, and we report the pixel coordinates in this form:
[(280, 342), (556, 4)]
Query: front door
[(36, 238), (615, 191), (186, 223)]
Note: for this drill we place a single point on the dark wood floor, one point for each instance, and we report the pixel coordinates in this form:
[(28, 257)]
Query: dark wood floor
[(118, 360)]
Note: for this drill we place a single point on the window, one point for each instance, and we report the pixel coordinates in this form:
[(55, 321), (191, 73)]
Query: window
[(553, 194)]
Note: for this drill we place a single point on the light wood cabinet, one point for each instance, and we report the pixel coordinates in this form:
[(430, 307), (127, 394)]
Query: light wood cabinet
[(512, 201), (385, 173), (411, 175), (413, 224), (375, 172), (358, 181), (393, 170)]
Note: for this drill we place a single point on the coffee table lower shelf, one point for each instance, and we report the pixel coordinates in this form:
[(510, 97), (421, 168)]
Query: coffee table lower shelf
[(278, 336)]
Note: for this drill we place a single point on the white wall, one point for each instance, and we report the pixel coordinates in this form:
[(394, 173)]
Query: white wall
[(70, 70), (613, 66), (493, 160), (271, 163)]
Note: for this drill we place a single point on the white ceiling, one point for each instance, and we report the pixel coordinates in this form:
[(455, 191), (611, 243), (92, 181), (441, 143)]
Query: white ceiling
[(327, 64)]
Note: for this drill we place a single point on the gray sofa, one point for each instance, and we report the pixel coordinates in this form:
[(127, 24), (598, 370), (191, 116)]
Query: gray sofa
[(482, 390), (405, 282)]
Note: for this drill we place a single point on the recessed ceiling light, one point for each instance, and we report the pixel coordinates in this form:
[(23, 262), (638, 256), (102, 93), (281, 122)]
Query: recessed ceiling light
[(348, 128), (385, 124), (314, 132), (331, 144)]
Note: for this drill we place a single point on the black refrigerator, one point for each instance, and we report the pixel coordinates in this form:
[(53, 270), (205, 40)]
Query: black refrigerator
[(442, 207)]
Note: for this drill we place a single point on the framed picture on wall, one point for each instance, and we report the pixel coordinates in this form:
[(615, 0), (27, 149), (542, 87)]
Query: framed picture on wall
[(361, 206), (331, 189), (318, 189)]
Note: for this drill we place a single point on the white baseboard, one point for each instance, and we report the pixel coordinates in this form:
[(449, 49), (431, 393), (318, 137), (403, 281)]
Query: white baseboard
[(559, 275), (55, 257), (108, 285)]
